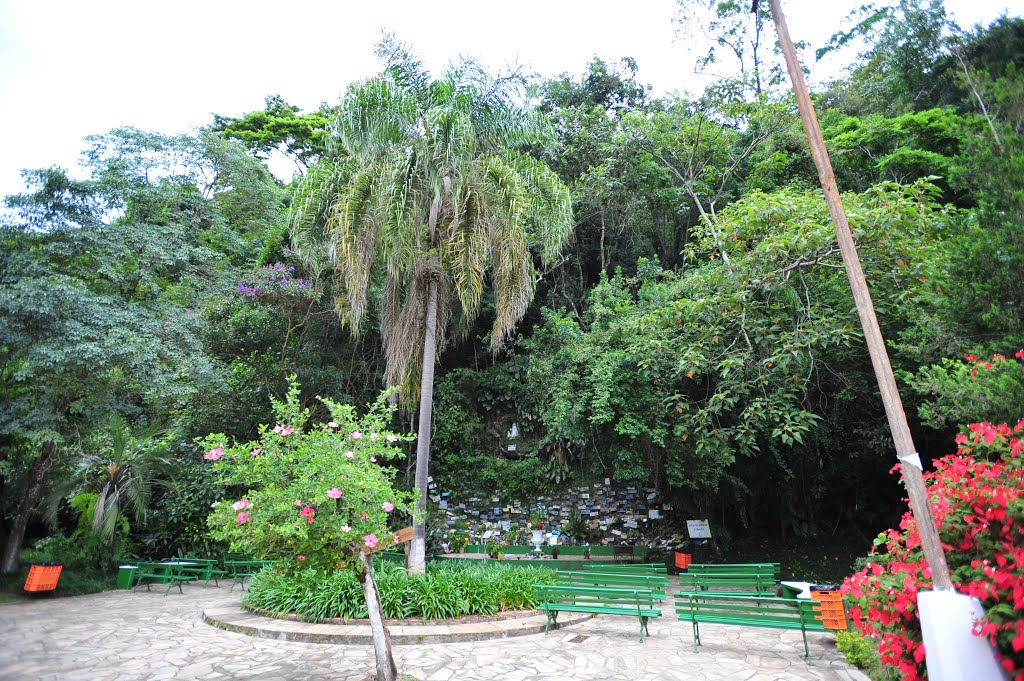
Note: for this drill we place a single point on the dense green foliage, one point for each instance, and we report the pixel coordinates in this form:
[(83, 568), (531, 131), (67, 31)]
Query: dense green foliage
[(447, 589), (695, 333)]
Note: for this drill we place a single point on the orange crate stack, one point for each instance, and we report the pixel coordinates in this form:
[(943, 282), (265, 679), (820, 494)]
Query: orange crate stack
[(833, 614), (43, 577), (683, 560)]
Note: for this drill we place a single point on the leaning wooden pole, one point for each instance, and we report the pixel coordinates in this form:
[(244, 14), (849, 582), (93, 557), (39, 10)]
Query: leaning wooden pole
[(905, 450)]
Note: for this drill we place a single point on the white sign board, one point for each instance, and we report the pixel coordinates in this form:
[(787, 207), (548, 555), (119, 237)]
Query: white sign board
[(698, 529)]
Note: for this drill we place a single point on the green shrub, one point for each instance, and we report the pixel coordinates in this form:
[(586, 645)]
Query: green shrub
[(862, 652), (447, 590)]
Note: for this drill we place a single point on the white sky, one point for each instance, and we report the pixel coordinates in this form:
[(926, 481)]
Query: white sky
[(71, 68)]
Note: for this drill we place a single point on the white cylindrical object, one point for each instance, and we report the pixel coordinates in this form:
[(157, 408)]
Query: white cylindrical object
[(952, 651)]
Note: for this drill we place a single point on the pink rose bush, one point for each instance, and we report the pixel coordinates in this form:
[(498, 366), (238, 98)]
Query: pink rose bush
[(286, 510)]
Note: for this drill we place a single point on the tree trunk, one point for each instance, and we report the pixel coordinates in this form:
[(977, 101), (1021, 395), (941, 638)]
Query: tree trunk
[(386, 670), (33, 490), (417, 557)]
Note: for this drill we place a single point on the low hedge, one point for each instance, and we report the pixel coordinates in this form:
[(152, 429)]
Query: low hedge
[(446, 590)]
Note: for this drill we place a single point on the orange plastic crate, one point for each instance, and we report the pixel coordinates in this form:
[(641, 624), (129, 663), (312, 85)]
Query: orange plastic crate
[(43, 577), (833, 613), (683, 560)]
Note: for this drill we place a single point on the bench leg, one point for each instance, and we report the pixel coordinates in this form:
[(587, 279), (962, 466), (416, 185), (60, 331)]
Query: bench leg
[(696, 636), (807, 651), (552, 619), (643, 628)]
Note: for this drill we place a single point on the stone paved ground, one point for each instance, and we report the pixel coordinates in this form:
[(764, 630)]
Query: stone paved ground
[(127, 636)]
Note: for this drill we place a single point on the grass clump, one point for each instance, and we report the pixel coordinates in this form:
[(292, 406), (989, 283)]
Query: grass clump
[(447, 590), (862, 652)]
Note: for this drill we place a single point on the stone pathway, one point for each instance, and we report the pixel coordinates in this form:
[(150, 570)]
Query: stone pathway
[(126, 636)]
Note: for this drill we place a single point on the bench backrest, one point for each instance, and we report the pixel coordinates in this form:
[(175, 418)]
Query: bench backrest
[(770, 569), (759, 610), (595, 596), (726, 580), (591, 577), (245, 566), (648, 568)]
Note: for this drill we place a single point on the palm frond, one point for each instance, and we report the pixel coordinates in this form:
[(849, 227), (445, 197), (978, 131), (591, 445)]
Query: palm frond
[(402, 66), (376, 114)]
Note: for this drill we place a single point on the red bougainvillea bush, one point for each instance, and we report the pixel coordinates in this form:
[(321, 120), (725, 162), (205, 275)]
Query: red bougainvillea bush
[(976, 497)]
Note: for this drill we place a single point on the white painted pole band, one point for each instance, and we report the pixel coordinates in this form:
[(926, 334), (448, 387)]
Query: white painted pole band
[(914, 459)]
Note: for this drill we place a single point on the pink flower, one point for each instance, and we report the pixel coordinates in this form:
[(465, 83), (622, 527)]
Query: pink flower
[(349, 454), (332, 424), (371, 540), (256, 452), (306, 512), (365, 517), (214, 454), (356, 435), (278, 428), (302, 558), (240, 504), (334, 493), (242, 518), (346, 528), (287, 431), (391, 438), (396, 540), (310, 520), (298, 503), (374, 436), (388, 506), (373, 459)]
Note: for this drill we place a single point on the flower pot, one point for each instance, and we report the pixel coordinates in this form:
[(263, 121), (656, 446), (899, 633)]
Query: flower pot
[(537, 537)]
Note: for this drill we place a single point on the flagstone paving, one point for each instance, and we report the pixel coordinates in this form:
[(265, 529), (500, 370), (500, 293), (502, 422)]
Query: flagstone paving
[(126, 636)]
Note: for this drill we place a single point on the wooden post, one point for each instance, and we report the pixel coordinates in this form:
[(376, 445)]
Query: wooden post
[(905, 450)]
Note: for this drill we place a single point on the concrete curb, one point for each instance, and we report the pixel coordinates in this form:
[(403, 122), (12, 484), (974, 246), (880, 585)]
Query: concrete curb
[(244, 622)]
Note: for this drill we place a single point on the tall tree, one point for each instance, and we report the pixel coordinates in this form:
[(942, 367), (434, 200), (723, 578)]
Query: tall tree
[(426, 193)]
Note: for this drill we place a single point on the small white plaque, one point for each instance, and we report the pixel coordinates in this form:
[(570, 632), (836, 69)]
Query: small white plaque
[(698, 529)]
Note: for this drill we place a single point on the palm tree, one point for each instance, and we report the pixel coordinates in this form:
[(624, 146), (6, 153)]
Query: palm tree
[(426, 192), (120, 476)]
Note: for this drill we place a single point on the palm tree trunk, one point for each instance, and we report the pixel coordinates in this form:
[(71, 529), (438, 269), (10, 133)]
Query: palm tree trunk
[(386, 670), (417, 559), (33, 490)]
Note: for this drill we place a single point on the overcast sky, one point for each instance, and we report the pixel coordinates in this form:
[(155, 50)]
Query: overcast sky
[(71, 68)]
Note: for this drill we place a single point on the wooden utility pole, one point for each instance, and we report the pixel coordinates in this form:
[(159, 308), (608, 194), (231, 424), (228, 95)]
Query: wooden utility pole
[(905, 450)]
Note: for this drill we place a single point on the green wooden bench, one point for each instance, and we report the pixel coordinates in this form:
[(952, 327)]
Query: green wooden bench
[(772, 570), (558, 598), (656, 583), (737, 582), (647, 568), (161, 573), (205, 568), (749, 611), (240, 570)]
